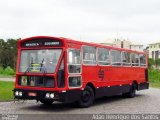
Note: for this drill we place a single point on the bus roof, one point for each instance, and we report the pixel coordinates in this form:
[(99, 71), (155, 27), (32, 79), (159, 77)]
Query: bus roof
[(78, 42)]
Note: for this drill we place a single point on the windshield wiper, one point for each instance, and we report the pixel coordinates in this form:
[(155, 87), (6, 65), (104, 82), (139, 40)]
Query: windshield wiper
[(29, 67), (41, 64), (43, 67)]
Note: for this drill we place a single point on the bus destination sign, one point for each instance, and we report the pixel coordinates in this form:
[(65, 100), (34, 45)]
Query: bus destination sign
[(41, 43)]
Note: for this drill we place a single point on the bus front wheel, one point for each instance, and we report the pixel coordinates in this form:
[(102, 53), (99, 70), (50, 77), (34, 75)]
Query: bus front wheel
[(87, 97)]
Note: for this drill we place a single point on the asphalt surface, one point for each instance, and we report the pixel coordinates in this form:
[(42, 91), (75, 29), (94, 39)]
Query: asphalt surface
[(146, 101), (7, 79)]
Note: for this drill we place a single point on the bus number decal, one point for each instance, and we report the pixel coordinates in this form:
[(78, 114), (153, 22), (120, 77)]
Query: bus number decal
[(101, 74)]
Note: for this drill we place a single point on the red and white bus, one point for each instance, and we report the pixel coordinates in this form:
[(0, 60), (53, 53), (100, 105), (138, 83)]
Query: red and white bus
[(59, 69)]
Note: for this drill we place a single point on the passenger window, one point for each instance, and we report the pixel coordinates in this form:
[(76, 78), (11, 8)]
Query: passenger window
[(116, 57), (75, 81), (135, 59), (103, 56), (74, 64), (126, 60), (142, 60), (89, 55)]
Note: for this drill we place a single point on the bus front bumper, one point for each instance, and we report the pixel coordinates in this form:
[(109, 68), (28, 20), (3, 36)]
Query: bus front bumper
[(65, 96)]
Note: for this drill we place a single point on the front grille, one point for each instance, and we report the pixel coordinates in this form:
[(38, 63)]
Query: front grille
[(36, 81)]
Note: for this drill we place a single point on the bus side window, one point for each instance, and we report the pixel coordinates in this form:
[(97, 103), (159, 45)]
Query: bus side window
[(103, 56), (74, 63), (75, 81), (89, 55), (135, 59), (116, 57), (142, 58), (126, 60), (60, 76)]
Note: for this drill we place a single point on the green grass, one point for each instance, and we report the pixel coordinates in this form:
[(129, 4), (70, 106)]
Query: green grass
[(154, 78), (6, 92), (155, 84), (8, 71)]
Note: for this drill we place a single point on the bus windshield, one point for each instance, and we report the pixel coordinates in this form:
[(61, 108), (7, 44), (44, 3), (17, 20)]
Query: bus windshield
[(39, 61)]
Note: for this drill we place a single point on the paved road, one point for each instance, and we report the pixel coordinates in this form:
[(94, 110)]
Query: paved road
[(7, 79), (147, 101)]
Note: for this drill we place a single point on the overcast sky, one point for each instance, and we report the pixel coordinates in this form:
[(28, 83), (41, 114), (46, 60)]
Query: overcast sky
[(87, 20)]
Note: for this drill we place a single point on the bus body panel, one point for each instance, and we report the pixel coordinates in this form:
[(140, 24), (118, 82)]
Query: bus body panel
[(106, 80)]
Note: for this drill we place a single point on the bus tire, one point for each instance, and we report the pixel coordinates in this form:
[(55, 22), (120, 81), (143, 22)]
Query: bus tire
[(132, 92), (46, 102), (87, 97)]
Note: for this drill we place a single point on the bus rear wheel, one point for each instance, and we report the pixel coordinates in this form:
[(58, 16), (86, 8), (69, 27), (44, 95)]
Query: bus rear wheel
[(132, 92), (87, 97), (46, 102)]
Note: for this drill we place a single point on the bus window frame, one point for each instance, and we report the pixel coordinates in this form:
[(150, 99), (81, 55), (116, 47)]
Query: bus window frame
[(104, 61), (135, 63), (59, 61), (74, 64), (145, 65), (116, 62), (74, 76), (90, 60), (129, 64)]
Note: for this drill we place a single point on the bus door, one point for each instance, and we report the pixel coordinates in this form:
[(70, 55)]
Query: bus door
[(74, 68)]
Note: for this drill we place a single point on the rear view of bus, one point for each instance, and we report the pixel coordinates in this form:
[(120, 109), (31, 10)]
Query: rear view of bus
[(40, 69)]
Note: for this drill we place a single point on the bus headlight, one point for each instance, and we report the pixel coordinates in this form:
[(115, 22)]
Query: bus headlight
[(47, 95), (16, 93), (52, 95), (20, 93)]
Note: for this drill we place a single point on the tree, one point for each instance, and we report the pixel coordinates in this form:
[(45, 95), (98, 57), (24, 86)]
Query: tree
[(150, 62), (2, 44), (8, 53)]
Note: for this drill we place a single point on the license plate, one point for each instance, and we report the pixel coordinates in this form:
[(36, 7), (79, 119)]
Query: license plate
[(32, 94)]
